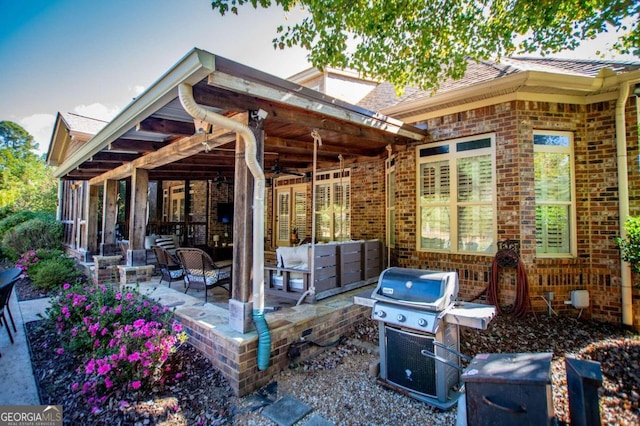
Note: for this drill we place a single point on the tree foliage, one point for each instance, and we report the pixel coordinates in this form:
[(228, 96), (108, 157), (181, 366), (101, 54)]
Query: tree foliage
[(26, 182), (420, 43)]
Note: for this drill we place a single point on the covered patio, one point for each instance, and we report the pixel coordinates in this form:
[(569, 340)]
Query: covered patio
[(154, 169)]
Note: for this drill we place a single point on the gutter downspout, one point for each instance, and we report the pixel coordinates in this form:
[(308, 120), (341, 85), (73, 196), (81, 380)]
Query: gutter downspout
[(386, 203), (623, 195), (196, 111), (317, 141)]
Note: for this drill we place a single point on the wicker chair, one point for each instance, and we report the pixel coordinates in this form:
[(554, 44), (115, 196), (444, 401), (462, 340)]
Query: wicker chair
[(169, 265), (201, 272)]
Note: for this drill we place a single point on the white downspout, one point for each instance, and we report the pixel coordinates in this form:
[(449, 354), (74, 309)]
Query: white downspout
[(623, 195), (386, 204), (189, 104), (317, 141)]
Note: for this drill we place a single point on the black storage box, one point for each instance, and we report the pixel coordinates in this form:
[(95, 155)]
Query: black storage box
[(509, 389)]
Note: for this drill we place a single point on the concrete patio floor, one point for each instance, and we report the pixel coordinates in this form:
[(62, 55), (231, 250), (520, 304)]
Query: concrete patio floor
[(16, 375)]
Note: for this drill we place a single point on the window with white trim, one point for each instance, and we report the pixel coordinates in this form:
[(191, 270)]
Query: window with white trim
[(456, 195), (333, 205), (555, 200)]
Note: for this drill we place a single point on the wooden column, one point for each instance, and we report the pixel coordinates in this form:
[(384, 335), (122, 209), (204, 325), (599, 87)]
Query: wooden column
[(138, 208), (75, 214), (109, 207), (243, 215), (91, 227)]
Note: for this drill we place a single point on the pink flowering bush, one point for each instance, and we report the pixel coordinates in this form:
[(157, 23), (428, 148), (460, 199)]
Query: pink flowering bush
[(31, 257), (122, 340), (48, 269)]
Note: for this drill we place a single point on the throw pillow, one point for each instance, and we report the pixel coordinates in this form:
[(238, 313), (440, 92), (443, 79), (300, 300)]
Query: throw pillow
[(166, 243)]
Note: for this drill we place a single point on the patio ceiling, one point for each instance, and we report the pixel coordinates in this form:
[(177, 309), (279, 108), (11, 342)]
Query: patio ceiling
[(154, 131)]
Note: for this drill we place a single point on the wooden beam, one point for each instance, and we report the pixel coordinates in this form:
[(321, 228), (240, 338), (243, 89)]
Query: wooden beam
[(135, 145), (177, 150), (359, 118), (326, 150), (112, 157), (165, 126), (235, 101)]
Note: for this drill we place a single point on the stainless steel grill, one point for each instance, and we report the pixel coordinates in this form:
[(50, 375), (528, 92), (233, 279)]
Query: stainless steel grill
[(419, 321)]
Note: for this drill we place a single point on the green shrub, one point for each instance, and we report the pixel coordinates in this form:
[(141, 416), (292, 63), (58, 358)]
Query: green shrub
[(6, 211), (630, 246), (37, 233), (12, 220), (53, 273)]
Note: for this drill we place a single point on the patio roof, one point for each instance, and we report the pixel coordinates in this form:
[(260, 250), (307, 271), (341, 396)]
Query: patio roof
[(154, 131)]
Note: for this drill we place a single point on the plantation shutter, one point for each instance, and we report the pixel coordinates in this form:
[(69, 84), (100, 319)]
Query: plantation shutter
[(283, 216), (475, 202), (300, 212), (323, 212)]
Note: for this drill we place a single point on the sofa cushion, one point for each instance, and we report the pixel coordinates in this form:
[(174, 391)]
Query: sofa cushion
[(166, 243), (293, 257), (149, 241)]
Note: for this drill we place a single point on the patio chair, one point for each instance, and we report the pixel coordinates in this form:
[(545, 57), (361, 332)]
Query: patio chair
[(169, 265), (201, 272), (7, 280)]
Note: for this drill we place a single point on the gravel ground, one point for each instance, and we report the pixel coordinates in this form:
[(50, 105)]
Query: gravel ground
[(338, 384)]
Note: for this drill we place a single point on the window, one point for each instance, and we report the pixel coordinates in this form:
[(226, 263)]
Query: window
[(555, 201), (290, 211), (333, 205), (391, 201), (176, 203), (456, 195)]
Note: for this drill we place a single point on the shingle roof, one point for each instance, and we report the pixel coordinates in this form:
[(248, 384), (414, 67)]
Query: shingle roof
[(384, 95), (82, 124)]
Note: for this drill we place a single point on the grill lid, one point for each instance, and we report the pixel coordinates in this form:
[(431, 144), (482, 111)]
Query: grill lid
[(432, 290)]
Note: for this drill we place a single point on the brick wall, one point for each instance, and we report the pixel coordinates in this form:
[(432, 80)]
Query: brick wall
[(237, 358), (367, 201), (596, 268)]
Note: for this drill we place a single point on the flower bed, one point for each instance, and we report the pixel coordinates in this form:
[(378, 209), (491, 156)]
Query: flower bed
[(120, 340)]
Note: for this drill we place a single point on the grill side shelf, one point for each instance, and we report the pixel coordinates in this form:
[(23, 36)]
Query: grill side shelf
[(474, 315)]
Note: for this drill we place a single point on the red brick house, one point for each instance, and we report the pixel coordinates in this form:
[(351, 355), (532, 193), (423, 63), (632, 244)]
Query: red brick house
[(540, 151)]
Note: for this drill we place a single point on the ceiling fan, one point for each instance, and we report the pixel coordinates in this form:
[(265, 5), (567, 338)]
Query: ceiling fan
[(219, 180), (277, 169)]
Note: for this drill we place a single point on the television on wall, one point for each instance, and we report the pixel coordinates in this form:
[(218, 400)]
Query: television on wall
[(225, 212)]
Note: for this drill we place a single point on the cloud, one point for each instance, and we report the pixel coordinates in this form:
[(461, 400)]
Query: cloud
[(40, 126), (97, 110)]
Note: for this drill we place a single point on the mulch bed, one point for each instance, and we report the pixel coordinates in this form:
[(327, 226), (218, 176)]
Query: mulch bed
[(25, 291), (202, 396)]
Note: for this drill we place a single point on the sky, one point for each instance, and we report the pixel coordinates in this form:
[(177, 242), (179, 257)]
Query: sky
[(93, 57)]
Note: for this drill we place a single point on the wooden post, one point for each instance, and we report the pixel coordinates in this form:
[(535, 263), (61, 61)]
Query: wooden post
[(138, 210), (91, 228), (240, 306), (109, 207)]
